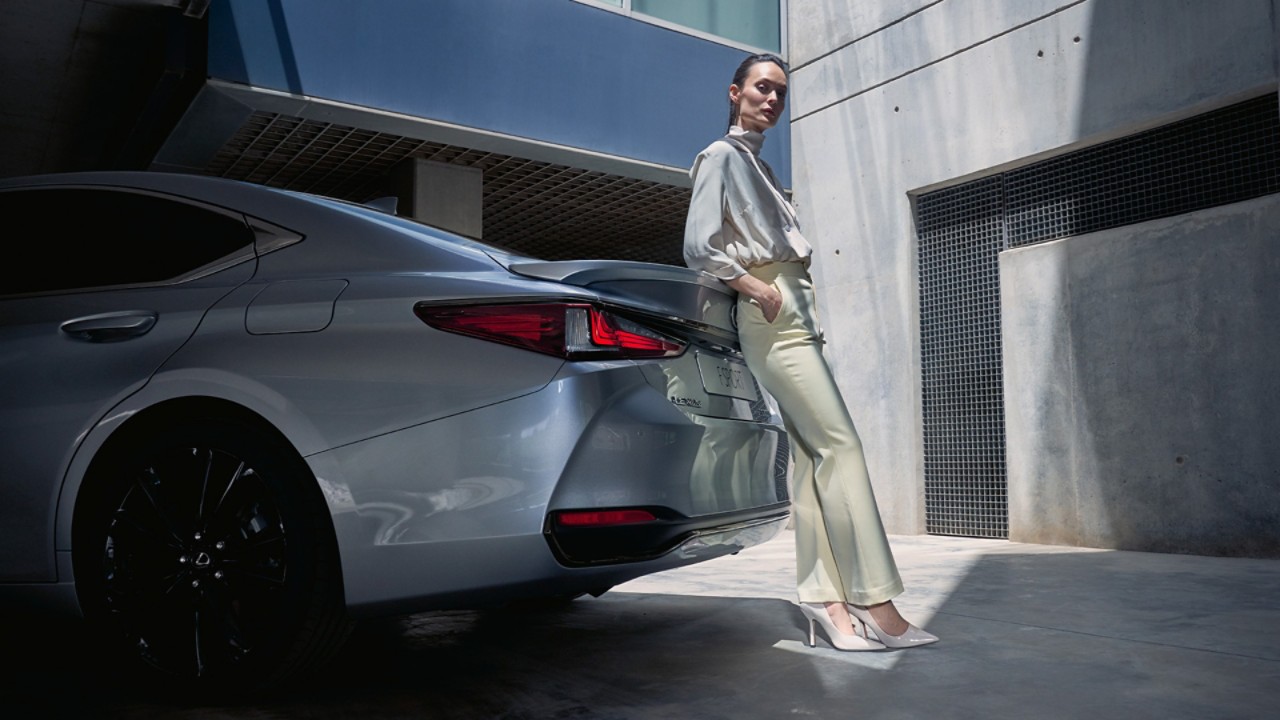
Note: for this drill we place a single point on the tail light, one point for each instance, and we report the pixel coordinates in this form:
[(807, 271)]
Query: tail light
[(574, 331), (600, 518)]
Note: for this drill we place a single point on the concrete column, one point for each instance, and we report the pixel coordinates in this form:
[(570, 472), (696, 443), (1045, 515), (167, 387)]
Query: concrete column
[(450, 197)]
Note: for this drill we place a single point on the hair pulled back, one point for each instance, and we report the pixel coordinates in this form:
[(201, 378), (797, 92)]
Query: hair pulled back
[(740, 77)]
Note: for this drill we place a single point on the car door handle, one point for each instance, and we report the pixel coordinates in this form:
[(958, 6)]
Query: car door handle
[(110, 327)]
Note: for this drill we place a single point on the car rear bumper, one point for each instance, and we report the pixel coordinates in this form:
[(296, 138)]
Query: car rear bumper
[(493, 572), (669, 532), (454, 512)]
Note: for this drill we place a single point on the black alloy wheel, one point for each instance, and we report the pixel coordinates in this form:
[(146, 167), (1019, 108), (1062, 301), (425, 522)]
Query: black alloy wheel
[(205, 556)]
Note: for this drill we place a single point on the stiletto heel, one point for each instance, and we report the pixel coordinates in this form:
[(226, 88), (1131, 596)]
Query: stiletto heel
[(817, 615), (913, 637)]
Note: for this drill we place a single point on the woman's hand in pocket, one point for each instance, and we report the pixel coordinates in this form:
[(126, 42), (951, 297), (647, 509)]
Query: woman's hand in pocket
[(759, 293), (771, 304)]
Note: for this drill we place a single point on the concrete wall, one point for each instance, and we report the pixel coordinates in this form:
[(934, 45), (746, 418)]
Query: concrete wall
[(450, 197), (1141, 385), (890, 99)]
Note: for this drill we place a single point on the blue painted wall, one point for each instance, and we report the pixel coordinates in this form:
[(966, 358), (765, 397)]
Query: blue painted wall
[(550, 70)]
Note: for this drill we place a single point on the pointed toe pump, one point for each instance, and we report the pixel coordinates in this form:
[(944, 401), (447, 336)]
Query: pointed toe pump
[(913, 637), (817, 616)]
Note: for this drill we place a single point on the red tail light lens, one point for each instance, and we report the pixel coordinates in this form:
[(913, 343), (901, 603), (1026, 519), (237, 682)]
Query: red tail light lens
[(614, 332), (598, 518), (574, 331)]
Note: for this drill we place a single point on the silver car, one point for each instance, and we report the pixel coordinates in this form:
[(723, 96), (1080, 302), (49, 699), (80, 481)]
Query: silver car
[(235, 418)]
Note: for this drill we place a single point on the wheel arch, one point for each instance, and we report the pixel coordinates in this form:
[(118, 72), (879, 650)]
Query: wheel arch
[(138, 425), (305, 609)]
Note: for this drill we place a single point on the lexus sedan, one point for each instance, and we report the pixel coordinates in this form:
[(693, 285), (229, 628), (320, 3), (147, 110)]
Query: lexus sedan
[(235, 418)]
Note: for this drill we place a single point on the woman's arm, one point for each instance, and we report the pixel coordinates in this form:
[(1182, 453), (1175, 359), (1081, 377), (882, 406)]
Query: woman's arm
[(704, 229), (704, 233)]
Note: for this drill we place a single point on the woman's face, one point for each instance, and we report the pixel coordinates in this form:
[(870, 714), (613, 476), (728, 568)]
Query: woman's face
[(761, 98)]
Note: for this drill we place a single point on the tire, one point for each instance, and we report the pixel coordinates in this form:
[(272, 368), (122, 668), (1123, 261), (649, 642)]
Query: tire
[(205, 553)]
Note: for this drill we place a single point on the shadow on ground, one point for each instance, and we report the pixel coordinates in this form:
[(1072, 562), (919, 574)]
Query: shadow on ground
[(1060, 635)]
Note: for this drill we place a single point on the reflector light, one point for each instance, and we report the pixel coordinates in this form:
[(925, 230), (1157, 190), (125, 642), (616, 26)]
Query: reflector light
[(597, 518), (574, 331)]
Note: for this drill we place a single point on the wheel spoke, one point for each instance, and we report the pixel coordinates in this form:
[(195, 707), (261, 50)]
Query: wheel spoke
[(235, 476), (265, 577), (154, 502), (262, 558), (137, 605), (128, 528), (261, 541), (235, 505), (205, 475), (225, 624), (199, 650)]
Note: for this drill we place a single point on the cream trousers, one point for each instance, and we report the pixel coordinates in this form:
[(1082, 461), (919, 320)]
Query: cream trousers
[(842, 554)]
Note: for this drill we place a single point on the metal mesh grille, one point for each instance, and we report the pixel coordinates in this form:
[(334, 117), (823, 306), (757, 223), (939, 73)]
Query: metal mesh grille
[(1213, 159), (549, 211), (965, 483), (1220, 157)]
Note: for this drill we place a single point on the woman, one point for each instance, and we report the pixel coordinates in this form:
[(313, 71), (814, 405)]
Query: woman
[(742, 230)]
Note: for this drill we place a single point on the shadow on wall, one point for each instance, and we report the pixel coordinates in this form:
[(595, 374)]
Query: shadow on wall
[(1161, 432), (859, 269), (288, 61), (228, 26)]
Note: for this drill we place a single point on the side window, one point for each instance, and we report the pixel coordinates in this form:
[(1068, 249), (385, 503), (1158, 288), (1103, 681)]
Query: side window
[(60, 239)]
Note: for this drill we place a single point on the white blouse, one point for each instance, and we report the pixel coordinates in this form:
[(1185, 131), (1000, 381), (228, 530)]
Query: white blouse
[(738, 217)]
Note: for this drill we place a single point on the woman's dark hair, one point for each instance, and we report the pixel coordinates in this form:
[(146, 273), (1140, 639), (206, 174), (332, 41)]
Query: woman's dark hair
[(740, 77)]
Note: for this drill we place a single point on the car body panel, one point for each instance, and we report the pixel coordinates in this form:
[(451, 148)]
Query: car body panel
[(293, 306), (441, 457), (376, 368), (47, 406), (587, 439)]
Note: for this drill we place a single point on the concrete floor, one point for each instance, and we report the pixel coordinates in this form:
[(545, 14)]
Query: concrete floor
[(1027, 631)]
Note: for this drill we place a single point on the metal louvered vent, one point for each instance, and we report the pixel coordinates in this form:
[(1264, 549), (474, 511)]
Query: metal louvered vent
[(548, 211), (1220, 157), (965, 482)]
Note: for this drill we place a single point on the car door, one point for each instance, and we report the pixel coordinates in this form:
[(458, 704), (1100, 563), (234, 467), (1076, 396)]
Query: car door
[(98, 290)]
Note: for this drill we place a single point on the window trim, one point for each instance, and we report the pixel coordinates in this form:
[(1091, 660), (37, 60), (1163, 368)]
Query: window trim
[(626, 11)]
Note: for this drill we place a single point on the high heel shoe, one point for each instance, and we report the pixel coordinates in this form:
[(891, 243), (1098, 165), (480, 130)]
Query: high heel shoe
[(913, 637), (817, 615)]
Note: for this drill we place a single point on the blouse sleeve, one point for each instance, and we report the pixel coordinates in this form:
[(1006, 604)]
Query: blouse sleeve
[(704, 237)]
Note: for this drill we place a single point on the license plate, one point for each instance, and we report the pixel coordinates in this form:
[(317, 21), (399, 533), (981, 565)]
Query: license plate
[(724, 376)]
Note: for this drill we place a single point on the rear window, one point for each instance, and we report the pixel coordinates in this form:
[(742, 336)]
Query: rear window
[(420, 229), (64, 238)]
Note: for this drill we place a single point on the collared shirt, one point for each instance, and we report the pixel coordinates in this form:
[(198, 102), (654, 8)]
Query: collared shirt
[(738, 217)]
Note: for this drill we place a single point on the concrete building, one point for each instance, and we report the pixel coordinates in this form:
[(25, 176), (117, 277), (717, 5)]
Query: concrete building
[(1048, 259)]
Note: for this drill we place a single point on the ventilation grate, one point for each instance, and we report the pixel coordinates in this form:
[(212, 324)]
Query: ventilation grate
[(548, 211), (1219, 157), (965, 483)]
